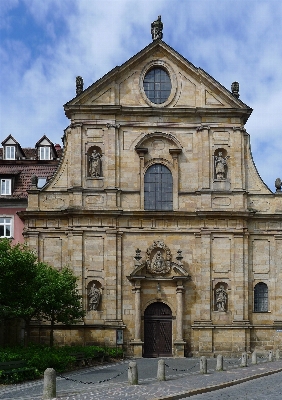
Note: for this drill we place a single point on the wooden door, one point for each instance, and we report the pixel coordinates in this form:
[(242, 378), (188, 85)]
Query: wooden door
[(157, 330)]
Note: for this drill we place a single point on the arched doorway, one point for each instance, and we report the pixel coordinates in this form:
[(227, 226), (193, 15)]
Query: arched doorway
[(158, 330)]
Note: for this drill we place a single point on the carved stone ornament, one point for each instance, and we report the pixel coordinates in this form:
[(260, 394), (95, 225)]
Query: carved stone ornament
[(158, 258), (157, 29), (220, 163), (221, 298), (95, 164), (94, 296), (278, 184), (79, 85)]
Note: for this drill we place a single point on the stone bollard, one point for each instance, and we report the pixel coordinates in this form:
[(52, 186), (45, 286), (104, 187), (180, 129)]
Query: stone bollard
[(277, 354), (161, 370), (270, 355), (132, 373), (219, 363), (203, 365), (254, 357), (49, 388), (244, 361)]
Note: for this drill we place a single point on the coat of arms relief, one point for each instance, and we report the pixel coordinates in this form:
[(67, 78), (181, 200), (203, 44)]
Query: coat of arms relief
[(158, 258), (158, 262)]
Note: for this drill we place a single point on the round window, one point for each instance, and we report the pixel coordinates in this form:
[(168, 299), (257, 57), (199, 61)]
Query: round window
[(157, 85)]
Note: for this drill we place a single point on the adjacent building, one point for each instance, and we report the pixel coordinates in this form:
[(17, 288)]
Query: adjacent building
[(17, 168), (159, 210)]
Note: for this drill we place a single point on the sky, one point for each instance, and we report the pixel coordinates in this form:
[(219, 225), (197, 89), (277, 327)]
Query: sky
[(45, 44)]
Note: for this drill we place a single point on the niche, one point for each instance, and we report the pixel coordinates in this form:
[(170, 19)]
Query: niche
[(220, 164), (94, 162), (94, 296)]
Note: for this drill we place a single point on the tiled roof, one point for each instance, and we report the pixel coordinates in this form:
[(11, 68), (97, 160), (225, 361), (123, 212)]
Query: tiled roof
[(22, 174), (32, 153)]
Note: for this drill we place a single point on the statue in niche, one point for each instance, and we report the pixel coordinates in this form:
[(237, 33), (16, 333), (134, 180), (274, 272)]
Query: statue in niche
[(94, 295), (220, 166), (95, 164), (221, 298)]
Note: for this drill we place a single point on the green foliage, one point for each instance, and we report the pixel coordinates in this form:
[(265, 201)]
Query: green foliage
[(40, 357), (57, 296), (114, 352), (29, 289), (19, 375), (18, 269)]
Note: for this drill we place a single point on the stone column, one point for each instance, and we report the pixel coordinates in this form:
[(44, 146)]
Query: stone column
[(179, 315), (175, 154), (137, 333), (76, 155), (137, 342), (204, 168), (119, 275), (179, 343), (111, 274), (141, 152), (202, 327)]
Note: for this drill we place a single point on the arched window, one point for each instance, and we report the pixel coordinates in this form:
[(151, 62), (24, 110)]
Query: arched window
[(261, 297), (158, 188)]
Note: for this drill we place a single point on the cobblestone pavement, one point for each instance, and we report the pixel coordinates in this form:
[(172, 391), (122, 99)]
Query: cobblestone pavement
[(266, 388), (109, 382)]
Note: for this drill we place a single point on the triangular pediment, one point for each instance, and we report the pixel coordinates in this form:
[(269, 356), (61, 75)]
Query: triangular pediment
[(192, 87)]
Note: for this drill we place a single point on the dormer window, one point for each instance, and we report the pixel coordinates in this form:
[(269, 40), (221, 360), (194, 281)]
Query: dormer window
[(5, 187), (10, 152), (44, 152)]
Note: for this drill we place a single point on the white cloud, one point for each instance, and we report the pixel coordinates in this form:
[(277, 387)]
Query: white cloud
[(231, 40)]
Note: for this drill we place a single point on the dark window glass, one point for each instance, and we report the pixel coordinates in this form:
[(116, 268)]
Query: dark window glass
[(157, 85), (261, 297), (158, 188)]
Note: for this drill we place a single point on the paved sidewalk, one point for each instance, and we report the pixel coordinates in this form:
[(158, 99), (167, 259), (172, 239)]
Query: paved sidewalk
[(183, 379)]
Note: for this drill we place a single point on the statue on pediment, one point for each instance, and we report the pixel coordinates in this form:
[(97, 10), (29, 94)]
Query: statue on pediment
[(157, 29)]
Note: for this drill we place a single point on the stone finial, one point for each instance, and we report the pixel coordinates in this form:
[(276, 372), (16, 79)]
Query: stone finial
[(157, 29), (79, 85), (278, 184), (137, 255), (235, 89), (179, 256), (34, 180)]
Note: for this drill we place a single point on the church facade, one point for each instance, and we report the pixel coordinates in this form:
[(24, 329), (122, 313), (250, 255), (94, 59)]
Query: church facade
[(159, 210)]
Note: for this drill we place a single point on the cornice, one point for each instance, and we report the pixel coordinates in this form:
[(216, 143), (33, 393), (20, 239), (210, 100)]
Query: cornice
[(149, 111)]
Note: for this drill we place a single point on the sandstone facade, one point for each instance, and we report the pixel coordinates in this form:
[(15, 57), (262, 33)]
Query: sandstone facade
[(159, 268)]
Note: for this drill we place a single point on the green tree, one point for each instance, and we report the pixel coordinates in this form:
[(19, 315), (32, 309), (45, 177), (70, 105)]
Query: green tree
[(58, 296), (18, 271), (31, 289)]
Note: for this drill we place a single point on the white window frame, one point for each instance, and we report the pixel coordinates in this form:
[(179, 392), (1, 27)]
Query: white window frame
[(7, 222), (5, 187), (10, 152), (44, 153)]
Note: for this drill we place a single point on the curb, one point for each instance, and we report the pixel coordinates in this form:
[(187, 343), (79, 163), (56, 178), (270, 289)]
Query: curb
[(213, 388)]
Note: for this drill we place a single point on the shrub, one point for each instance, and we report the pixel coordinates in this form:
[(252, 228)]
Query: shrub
[(40, 357)]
